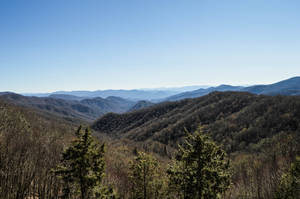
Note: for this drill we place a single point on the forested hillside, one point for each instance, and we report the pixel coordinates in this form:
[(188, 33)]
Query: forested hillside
[(30, 146), (141, 104), (260, 133), (239, 121), (85, 110)]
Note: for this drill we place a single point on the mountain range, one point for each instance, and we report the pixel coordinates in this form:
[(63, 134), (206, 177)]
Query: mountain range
[(135, 94), (84, 109), (260, 132), (287, 87), (83, 105)]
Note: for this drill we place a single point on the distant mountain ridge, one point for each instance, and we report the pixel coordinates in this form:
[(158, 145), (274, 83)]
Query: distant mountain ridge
[(86, 109), (90, 108), (134, 94), (202, 92), (289, 87), (286, 87), (66, 97), (126, 94)]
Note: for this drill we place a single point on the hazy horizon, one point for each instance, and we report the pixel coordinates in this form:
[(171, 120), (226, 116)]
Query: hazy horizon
[(149, 89), (163, 88)]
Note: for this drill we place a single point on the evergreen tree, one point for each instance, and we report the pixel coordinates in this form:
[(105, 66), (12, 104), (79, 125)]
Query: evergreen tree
[(200, 170), (82, 168), (147, 181), (289, 187)]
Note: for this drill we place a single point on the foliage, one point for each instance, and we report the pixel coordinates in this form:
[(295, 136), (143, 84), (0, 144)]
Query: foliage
[(84, 110), (201, 169), (260, 134), (238, 121), (147, 182), (30, 145), (289, 187), (82, 167)]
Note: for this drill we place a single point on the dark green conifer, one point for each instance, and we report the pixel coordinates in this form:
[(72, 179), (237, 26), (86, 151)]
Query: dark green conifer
[(200, 170), (82, 168), (147, 181), (289, 187)]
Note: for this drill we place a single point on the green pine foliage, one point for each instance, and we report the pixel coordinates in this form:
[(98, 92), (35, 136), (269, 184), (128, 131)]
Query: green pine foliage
[(200, 170), (147, 181), (82, 168), (289, 187)]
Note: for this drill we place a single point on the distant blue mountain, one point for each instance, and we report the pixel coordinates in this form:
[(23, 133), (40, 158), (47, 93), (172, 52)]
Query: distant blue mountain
[(202, 92), (66, 97), (126, 94), (286, 87), (135, 94)]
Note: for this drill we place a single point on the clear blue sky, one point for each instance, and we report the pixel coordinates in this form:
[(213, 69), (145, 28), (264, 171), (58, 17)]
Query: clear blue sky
[(102, 44)]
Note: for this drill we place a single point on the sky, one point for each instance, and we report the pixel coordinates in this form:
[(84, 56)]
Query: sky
[(68, 45)]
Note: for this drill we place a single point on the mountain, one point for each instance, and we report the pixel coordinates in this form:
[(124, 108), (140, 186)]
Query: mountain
[(237, 120), (126, 94), (176, 89), (31, 143), (66, 97), (141, 104), (85, 110), (109, 104), (13, 117), (287, 87), (136, 94), (66, 109), (201, 92), (260, 133)]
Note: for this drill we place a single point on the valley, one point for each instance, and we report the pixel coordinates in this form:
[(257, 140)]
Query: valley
[(150, 99), (250, 128)]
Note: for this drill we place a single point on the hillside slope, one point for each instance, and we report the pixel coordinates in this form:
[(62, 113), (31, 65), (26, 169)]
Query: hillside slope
[(239, 121), (141, 104), (31, 142), (85, 110)]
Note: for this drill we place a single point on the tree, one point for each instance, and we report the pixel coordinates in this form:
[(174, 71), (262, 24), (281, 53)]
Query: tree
[(200, 170), (146, 180), (82, 168), (289, 187)]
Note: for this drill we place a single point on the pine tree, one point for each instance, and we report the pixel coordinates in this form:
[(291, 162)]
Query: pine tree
[(82, 168), (200, 170), (147, 182), (289, 187)]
